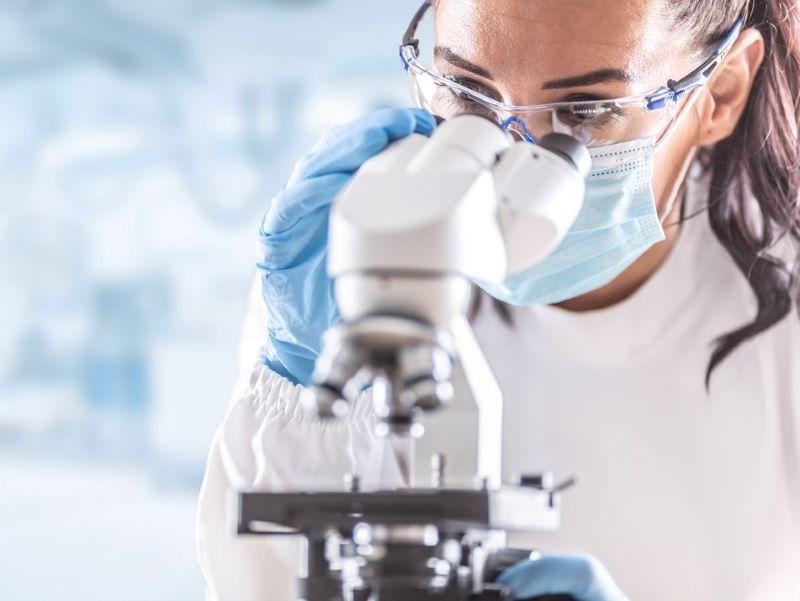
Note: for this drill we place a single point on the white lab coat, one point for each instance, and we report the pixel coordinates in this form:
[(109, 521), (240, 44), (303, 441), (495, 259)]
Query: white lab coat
[(685, 495)]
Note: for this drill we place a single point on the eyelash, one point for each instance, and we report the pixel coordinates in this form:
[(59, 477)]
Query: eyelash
[(478, 87), (589, 120), (473, 85)]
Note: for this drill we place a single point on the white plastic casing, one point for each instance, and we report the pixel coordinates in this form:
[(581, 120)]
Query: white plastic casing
[(424, 206), (421, 220), (540, 195)]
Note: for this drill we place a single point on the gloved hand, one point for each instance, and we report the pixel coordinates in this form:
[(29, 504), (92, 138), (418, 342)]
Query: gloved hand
[(293, 239), (581, 577)]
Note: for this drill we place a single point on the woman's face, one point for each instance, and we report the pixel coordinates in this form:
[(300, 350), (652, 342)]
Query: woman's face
[(538, 51)]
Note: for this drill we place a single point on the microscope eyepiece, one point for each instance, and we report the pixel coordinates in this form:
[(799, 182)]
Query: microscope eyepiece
[(570, 149)]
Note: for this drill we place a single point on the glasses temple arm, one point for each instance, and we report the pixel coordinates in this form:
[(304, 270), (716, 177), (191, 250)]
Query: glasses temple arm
[(409, 38), (675, 90)]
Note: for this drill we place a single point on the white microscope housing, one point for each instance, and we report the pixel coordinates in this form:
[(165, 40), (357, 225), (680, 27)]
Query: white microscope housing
[(423, 219), (418, 224)]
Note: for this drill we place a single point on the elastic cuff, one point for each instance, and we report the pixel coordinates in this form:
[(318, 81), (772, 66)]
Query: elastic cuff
[(275, 395)]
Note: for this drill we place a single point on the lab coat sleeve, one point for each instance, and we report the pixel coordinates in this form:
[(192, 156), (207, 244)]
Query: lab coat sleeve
[(267, 442), (254, 331)]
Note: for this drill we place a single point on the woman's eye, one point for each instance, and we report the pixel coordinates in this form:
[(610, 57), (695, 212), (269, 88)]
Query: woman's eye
[(593, 115), (474, 86), (579, 98), (581, 114)]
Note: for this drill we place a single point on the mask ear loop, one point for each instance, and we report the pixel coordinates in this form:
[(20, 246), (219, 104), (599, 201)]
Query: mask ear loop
[(681, 179)]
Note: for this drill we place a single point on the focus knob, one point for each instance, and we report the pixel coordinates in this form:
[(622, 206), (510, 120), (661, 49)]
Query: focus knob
[(500, 561)]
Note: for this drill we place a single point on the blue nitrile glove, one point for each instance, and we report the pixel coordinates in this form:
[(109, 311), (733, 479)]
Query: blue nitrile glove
[(293, 241), (581, 577)]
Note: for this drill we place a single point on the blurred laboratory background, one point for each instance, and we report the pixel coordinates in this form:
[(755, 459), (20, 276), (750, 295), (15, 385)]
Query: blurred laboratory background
[(141, 142)]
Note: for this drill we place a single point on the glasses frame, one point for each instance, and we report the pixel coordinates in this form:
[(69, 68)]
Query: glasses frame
[(660, 98)]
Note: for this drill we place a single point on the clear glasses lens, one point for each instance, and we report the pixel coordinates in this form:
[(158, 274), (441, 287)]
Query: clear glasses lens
[(595, 124), (446, 102)]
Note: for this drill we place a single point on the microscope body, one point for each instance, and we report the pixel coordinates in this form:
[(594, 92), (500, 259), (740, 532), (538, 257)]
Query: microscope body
[(408, 236), (426, 217)]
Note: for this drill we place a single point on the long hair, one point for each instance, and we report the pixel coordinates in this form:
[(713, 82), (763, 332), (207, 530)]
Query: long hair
[(753, 203), (754, 199)]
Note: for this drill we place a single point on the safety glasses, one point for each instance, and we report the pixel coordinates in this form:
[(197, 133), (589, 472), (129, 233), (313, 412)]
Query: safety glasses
[(593, 122)]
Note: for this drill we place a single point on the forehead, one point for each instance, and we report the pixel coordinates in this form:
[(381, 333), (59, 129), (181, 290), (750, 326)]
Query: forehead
[(551, 39)]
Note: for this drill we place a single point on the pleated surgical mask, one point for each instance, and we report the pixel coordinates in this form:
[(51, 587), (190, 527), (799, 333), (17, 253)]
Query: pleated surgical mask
[(617, 224)]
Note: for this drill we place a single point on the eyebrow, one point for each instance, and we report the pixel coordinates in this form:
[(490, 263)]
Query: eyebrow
[(462, 63), (587, 79), (590, 79)]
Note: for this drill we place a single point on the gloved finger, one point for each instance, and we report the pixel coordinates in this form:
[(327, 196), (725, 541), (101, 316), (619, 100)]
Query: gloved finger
[(346, 148), (300, 307), (582, 577), (299, 311), (398, 123), (302, 198)]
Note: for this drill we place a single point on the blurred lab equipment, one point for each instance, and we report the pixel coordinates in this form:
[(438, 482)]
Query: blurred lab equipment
[(403, 254)]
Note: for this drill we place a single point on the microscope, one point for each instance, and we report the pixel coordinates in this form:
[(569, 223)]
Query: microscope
[(408, 236)]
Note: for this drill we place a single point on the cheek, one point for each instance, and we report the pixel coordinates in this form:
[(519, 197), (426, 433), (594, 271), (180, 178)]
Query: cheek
[(670, 160)]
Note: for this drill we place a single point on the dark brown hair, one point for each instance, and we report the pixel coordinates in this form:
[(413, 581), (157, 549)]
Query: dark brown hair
[(753, 203)]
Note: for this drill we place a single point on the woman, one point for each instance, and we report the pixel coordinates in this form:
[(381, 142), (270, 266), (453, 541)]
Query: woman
[(662, 362)]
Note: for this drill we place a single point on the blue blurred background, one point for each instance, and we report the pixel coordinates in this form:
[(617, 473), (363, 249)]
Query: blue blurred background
[(140, 144)]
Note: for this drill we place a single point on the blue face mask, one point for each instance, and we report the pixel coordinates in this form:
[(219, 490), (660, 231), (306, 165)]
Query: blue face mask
[(617, 224)]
